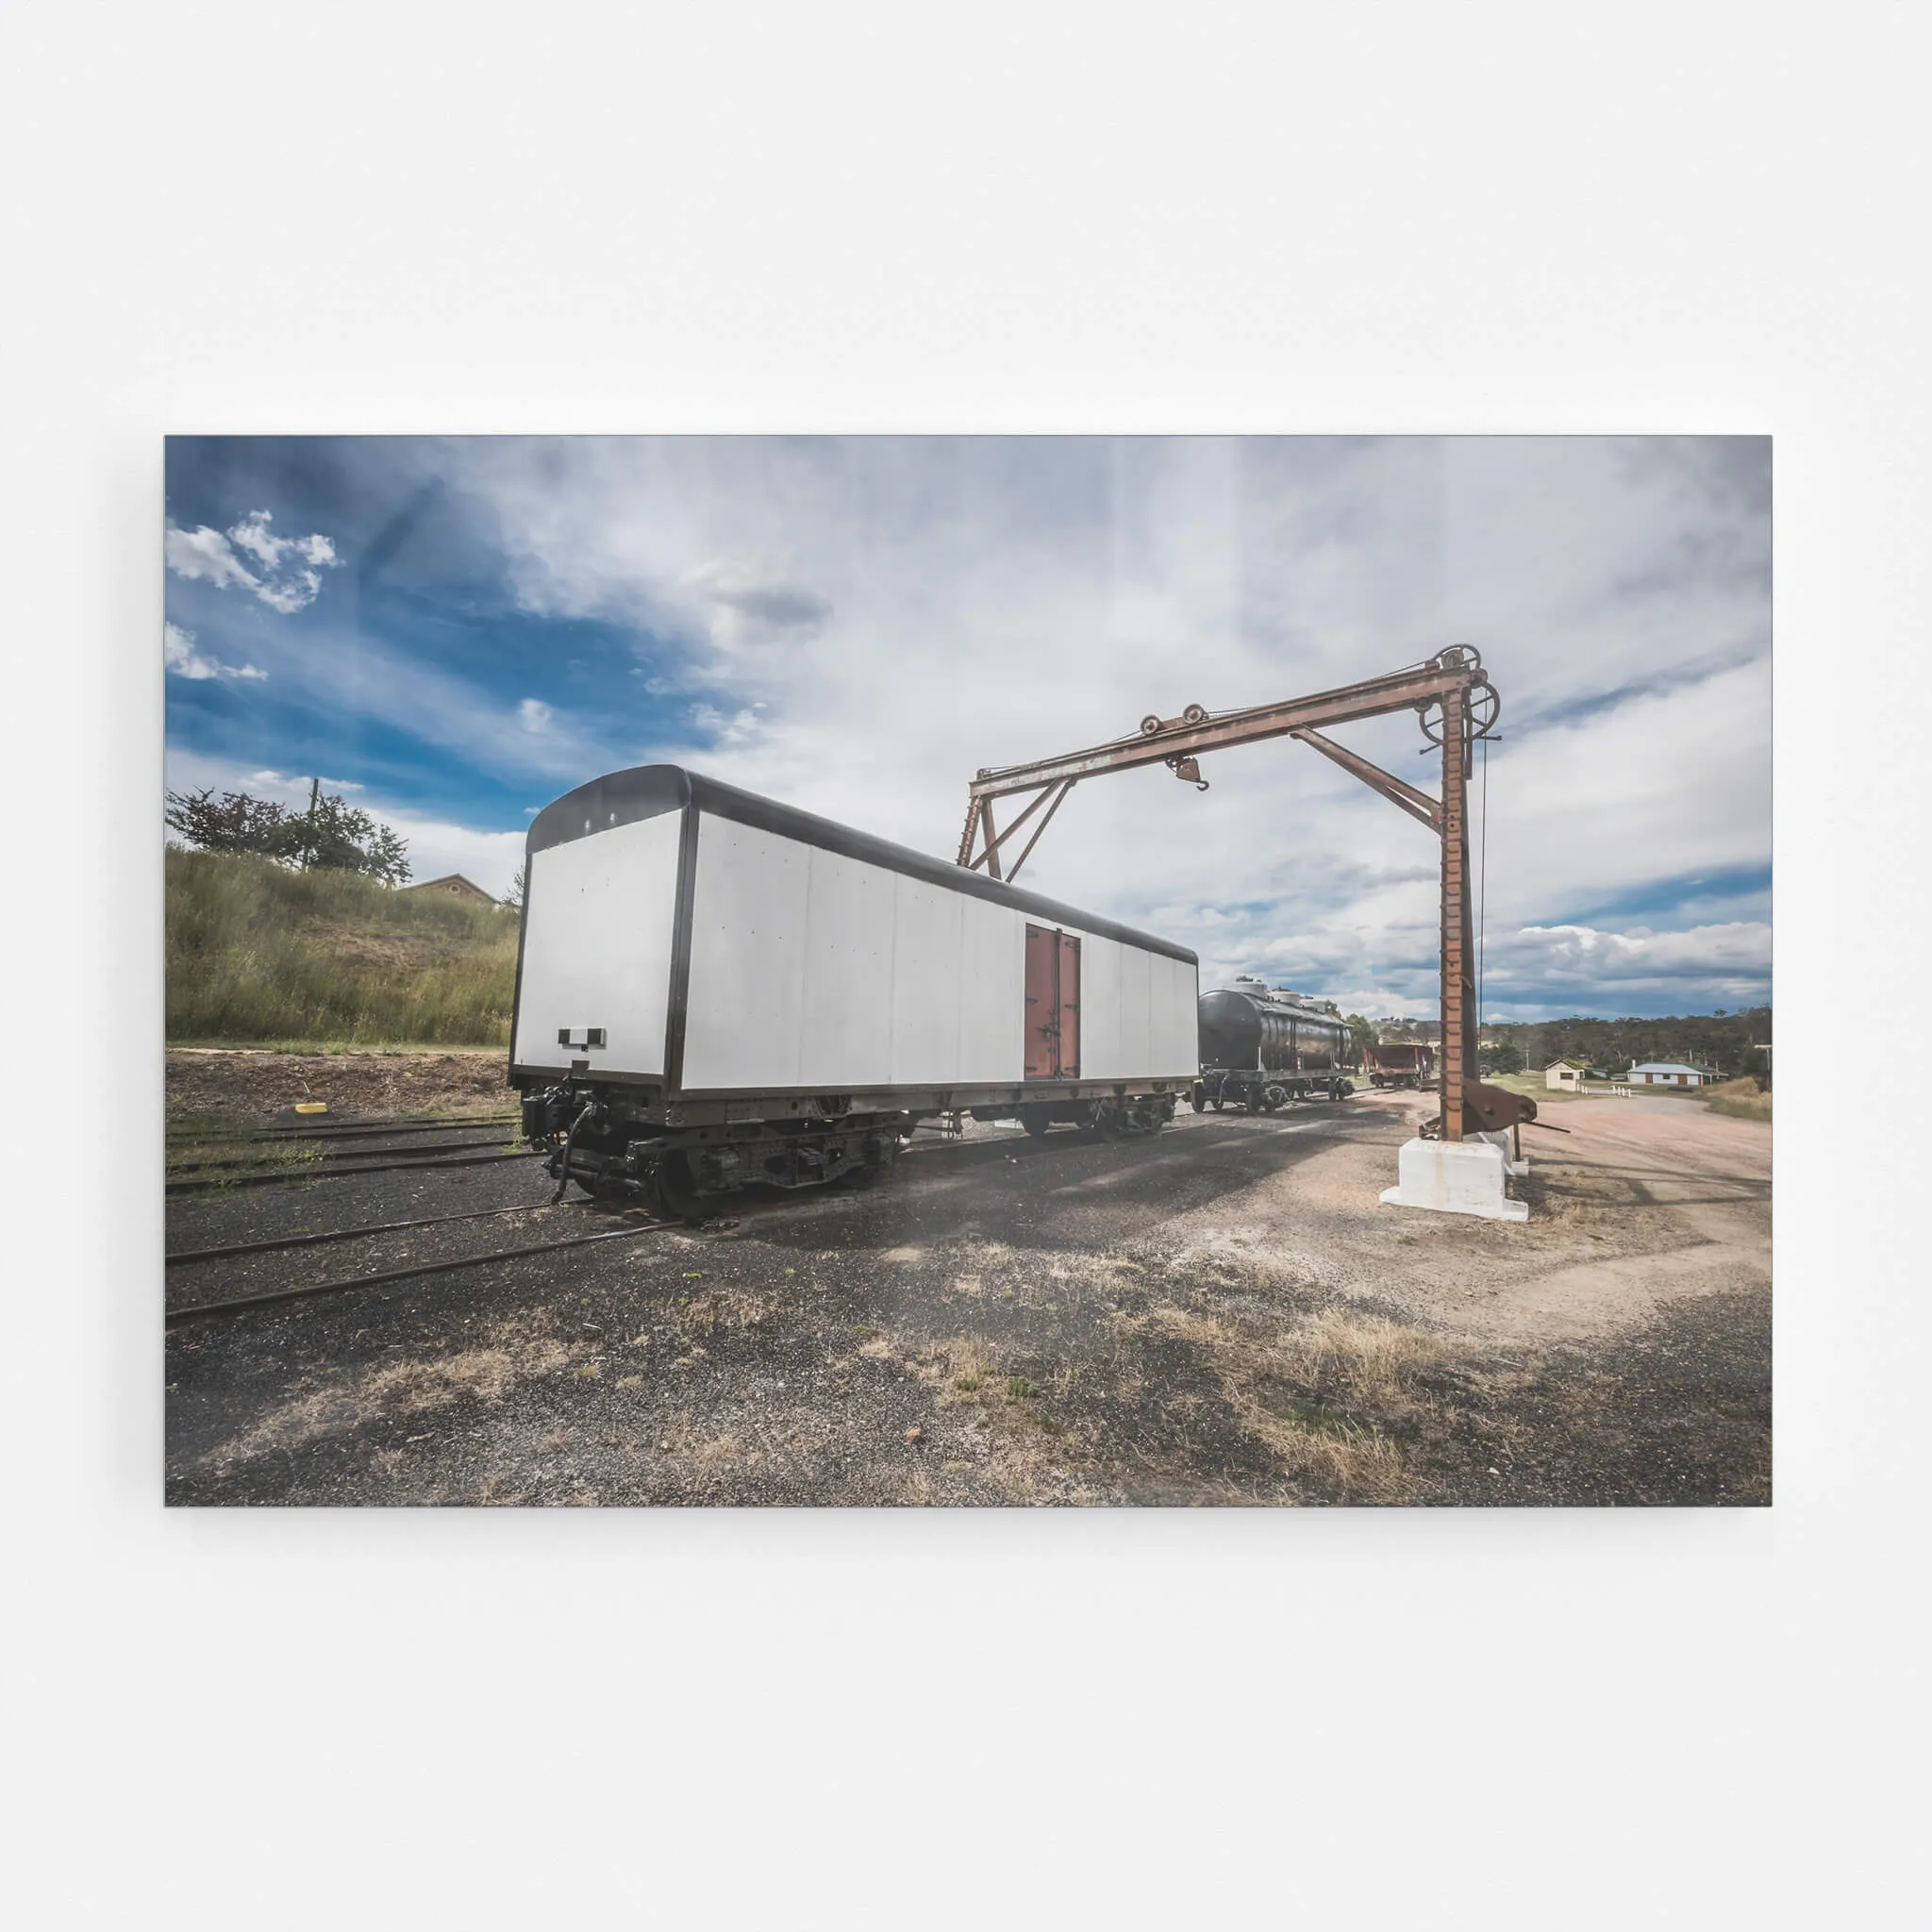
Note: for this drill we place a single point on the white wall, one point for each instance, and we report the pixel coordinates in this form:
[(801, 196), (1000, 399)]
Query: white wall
[(1139, 1013), (812, 970), (597, 946)]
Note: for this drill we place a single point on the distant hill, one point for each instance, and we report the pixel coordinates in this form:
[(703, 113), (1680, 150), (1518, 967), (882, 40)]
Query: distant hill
[(259, 955), (1723, 1041)]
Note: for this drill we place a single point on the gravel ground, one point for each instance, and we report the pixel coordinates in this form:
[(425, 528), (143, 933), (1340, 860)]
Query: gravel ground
[(1222, 1315)]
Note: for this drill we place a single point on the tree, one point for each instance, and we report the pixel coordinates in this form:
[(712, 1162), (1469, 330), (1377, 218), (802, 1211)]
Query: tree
[(515, 897), (336, 837), (1361, 1032), (330, 836), (232, 822), (1504, 1057)]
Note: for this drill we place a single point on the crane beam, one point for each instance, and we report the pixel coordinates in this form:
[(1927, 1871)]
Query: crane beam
[(1183, 737)]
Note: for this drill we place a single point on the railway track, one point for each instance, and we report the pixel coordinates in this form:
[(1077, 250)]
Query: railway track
[(223, 1157), (355, 1154), (386, 1276), (336, 1130), (351, 1164), (283, 1176), (184, 1256)]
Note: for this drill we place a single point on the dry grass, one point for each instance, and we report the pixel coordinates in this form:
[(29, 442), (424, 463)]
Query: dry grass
[(1740, 1099), (256, 952), (1357, 1462), (413, 1386), (1321, 1394), (723, 1309), (1372, 1360), (964, 1367)]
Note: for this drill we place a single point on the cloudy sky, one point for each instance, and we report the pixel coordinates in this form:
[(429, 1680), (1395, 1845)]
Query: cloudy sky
[(453, 632)]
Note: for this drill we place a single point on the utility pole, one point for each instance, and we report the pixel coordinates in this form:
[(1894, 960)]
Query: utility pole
[(314, 797)]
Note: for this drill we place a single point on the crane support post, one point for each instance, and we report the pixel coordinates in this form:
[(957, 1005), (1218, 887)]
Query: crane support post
[(1458, 952)]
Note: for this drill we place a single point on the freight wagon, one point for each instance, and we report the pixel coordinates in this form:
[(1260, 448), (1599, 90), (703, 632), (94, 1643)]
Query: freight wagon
[(715, 989), (1262, 1047), (1400, 1063)]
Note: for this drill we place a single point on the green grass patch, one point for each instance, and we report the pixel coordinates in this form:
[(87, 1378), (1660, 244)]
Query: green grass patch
[(214, 1159), (258, 954), (1305, 1414)]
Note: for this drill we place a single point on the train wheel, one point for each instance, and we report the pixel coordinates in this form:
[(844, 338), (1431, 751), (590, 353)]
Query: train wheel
[(1103, 1122), (676, 1192), (1036, 1120)]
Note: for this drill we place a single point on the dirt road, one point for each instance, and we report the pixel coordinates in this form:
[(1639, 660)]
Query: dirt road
[(1223, 1314)]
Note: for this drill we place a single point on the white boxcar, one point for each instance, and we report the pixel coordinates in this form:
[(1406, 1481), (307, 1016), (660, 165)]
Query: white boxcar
[(715, 988)]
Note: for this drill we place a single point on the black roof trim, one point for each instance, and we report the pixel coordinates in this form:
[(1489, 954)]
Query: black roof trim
[(646, 791)]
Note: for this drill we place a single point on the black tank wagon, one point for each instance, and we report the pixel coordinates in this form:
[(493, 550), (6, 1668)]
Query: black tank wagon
[(1263, 1046)]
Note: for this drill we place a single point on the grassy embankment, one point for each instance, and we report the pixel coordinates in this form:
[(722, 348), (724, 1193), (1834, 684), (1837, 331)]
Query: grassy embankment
[(260, 955), (1739, 1098)]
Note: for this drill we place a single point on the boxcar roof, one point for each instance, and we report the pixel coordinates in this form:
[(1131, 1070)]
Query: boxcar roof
[(645, 792)]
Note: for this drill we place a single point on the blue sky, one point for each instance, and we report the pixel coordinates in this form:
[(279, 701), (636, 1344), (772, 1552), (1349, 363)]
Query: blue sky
[(455, 631)]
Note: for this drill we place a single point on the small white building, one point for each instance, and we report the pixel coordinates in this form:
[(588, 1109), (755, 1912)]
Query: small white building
[(1670, 1073), (1564, 1076)]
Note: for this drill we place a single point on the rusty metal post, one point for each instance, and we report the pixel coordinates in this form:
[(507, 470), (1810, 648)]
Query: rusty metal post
[(992, 838), (1458, 991)]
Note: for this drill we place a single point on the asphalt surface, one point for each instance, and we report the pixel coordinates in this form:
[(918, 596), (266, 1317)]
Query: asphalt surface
[(1221, 1313)]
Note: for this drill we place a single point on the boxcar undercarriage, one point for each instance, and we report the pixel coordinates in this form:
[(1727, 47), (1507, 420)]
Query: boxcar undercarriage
[(685, 1159)]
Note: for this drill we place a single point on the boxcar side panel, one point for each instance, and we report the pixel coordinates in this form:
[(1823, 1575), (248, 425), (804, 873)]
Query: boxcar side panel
[(1137, 1041), (926, 983), (1175, 1015), (1100, 1008), (992, 991), (597, 947), (750, 910), (850, 920)]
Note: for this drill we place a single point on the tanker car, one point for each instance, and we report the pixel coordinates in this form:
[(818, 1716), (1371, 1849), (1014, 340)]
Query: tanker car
[(714, 990), (1262, 1047)]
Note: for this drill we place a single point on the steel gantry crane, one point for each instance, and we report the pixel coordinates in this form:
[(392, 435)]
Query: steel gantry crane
[(1456, 705)]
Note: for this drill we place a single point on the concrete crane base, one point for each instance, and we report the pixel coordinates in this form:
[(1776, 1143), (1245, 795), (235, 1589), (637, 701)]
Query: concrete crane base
[(1457, 1178)]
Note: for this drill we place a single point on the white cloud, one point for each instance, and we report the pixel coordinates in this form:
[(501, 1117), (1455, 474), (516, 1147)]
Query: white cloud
[(535, 714), (907, 610), (215, 557), (1739, 952), (206, 554), (727, 727), (275, 782), (181, 658)]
